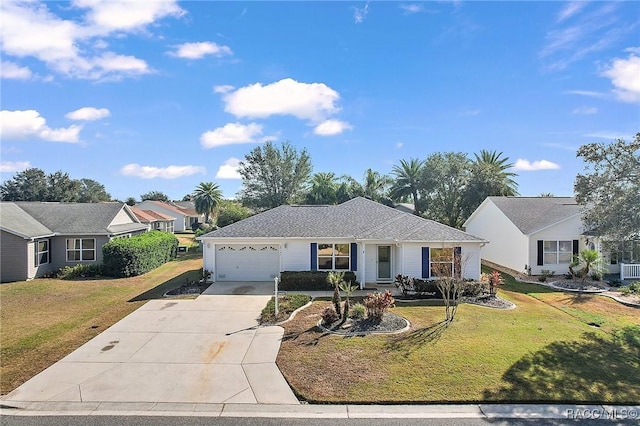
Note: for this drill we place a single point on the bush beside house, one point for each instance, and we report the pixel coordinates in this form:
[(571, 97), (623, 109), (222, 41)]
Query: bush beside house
[(127, 257), (309, 280)]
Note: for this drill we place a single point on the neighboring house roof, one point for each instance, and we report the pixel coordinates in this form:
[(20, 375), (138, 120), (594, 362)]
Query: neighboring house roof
[(77, 218), (18, 222), (532, 214), (358, 218), (148, 216), (173, 207)]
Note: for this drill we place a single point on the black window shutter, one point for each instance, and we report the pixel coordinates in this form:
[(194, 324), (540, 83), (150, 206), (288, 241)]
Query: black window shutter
[(354, 257), (425, 263), (540, 252), (576, 247), (314, 256)]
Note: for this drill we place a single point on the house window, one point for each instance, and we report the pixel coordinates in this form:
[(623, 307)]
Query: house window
[(627, 252), (441, 262), (42, 252), (334, 257), (81, 249), (170, 226), (556, 252)]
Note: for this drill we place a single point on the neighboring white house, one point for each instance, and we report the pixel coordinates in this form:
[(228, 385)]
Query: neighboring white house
[(374, 241), (154, 220), (543, 233), (184, 216)]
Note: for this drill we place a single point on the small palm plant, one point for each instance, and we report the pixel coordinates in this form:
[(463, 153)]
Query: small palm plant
[(591, 261), (335, 279), (348, 289)]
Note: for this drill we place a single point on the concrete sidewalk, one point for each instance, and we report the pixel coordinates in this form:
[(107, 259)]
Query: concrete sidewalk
[(307, 411), (204, 351)]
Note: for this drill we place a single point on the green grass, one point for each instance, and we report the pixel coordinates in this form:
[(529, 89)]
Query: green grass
[(542, 351), (286, 305), (45, 319)]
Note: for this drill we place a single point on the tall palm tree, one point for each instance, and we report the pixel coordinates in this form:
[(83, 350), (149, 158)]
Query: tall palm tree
[(489, 177), (207, 197), (406, 182), (375, 185), (322, 188), (503, 179)]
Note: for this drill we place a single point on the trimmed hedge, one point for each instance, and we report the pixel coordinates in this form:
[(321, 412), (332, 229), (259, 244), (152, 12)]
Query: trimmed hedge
[(128, 257), (309, 280)]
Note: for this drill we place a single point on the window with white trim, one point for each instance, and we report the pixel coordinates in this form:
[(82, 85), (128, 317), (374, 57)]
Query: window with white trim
[(334, 257), (81, 249), (557, 252), (42, 252), (441, 260)]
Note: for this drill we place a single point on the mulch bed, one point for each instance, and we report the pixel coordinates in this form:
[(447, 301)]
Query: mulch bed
[(187, 289), (496, 302), (390, 323)]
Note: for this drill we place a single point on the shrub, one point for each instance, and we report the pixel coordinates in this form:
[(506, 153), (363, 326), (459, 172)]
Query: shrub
[(128, 257), (544, 274), (80, 271), (329, 315), (474, 289), (309, 280), (357, 311), (633, 288), (377, 304), (286, 305)]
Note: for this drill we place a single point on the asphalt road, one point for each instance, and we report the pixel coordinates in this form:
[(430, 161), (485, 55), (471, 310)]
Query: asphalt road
[(228, 421)]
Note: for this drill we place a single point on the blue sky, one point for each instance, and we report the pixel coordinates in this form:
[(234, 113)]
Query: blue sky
[(147, 95)]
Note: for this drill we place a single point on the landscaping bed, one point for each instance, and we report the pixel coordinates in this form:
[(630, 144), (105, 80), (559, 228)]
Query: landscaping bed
[(389, 324)]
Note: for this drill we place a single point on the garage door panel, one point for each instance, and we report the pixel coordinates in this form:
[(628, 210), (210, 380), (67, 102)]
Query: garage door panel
[(237, 262)]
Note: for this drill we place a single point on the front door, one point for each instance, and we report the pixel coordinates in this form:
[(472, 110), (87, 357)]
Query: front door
[(384, 263)]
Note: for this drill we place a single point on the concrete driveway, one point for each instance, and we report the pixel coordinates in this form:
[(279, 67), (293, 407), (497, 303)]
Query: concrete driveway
[(206, 350)]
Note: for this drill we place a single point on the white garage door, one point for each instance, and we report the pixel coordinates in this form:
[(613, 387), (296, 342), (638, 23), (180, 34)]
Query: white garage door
[(238, 262)]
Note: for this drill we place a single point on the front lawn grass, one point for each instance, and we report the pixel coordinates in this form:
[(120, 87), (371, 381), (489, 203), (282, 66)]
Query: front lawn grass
[(43, 320), (542, 351)]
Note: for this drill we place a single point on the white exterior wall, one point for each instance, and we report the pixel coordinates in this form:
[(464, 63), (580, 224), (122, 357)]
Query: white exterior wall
[(470, 255), (567, 230), (178, 222), (122, 218), (370, 265), (412, 263), (296, 256), (507, 245)]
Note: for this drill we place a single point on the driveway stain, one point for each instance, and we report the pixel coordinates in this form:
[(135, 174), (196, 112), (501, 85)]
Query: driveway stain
[(243, 289), (214, 350), (168, 305), (110, 346)]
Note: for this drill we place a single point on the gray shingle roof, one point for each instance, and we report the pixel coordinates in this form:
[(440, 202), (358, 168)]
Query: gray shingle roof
[(77, 218), (531, 214), (16, 221), (359, 218)]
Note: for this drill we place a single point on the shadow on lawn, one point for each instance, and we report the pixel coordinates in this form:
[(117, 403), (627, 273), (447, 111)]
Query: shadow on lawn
[(590, 370), (413, 340), (158, 291)]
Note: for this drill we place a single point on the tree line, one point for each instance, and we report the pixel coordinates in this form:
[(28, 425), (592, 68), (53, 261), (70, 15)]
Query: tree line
[(445, 186)]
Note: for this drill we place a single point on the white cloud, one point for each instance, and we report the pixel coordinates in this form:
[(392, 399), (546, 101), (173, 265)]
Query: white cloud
[(610, 135), (331, 127), (29, 123), (307, 101), (625, 76), (10, 70), (200, 50), (88, 114), (412, 8), (229, 169), (170, 172), (126, 15), (224, 88), (635, 50), (528, 166), (14, 166), (360, 13), (399, 145), (571, 9), (231, 133), (585, 110), (588, 93), (68, 47)]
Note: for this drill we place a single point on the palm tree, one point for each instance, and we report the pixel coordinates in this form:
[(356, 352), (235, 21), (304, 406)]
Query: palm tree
[(322, 188), (375, 185), (502, 179), (407, 176), (489, 177), (207, 197)]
